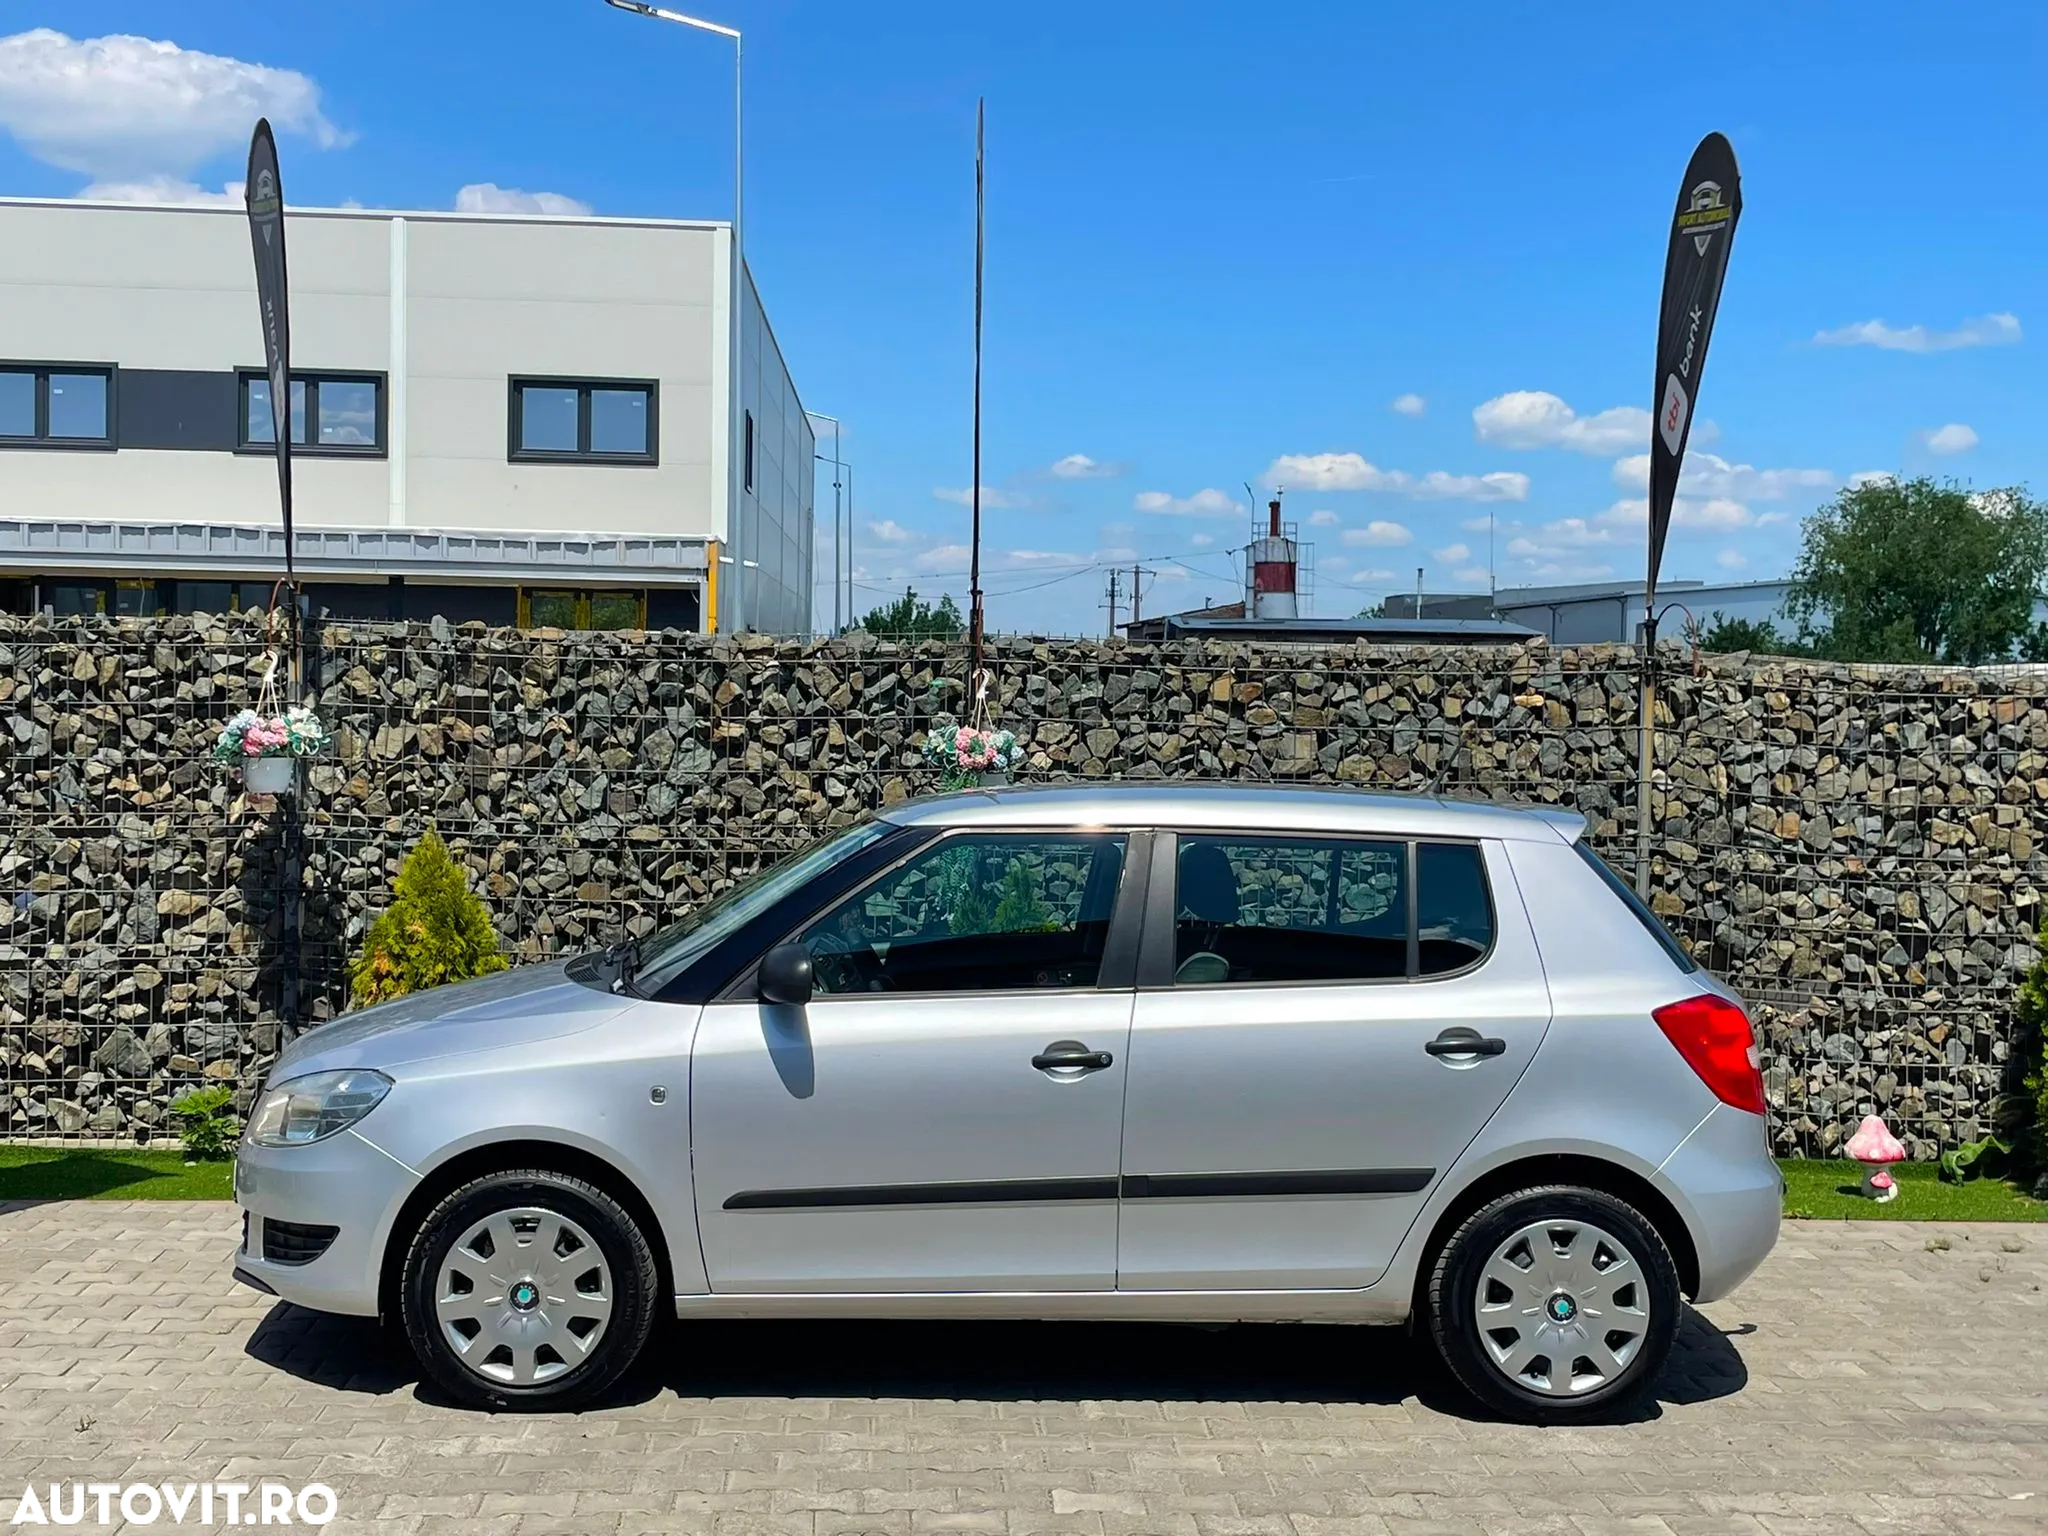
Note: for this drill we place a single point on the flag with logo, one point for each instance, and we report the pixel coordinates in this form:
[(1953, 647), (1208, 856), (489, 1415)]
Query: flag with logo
[(264, 196), (1702, 230)]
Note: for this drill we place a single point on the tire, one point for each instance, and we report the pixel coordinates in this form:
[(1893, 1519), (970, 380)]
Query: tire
[(557, 1325), (1591, 1260)]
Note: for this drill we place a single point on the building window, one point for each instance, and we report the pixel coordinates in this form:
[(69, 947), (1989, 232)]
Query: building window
[(56, 405), (750, 451), (331, 413), (582, 608), (583, 421)]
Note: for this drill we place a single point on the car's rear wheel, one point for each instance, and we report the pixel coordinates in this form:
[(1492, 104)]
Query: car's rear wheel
[(1555, 1305), (528, 1288)]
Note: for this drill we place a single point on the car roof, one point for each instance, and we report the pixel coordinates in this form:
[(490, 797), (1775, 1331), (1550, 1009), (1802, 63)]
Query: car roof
[(1237, 807)]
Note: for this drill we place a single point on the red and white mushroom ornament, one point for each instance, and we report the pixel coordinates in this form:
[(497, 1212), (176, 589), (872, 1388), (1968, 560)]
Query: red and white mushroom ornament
[(1876, 1148)]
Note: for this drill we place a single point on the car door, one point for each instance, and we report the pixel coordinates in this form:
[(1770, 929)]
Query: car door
[(1323, 1024), (945, 1114)]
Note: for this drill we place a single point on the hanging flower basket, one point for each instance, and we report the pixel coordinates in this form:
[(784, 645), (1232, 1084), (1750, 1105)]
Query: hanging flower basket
[(967, 755), (266, 745)]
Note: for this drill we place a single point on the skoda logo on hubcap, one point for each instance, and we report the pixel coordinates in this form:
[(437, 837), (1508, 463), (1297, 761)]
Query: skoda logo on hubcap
[(1562, 1308), (525, 1296)]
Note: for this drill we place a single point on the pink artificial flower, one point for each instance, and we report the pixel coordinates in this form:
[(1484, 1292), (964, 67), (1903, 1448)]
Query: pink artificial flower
[(963, 739), (252, 746)]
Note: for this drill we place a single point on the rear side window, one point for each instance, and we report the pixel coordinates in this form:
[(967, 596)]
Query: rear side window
[(1302, 909), (1634, 903)]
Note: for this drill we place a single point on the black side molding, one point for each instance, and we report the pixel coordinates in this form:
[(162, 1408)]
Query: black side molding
[(1138, 1186), (985, 1192), (1332, 1181)]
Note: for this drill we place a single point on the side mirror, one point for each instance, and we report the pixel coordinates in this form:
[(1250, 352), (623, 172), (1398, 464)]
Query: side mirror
[(785, 975)]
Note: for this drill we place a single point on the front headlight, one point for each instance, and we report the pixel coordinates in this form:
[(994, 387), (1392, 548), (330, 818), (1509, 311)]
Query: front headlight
[(310, 1108)]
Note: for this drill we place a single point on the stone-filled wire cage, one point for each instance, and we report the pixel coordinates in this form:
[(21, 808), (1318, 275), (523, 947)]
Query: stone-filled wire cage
[(1856, 850)]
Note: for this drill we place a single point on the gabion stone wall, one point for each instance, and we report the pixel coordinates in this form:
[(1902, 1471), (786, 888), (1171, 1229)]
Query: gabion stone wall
[(1859, 850)]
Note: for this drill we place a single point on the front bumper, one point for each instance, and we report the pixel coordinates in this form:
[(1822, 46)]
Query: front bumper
[(1724, 1183), (344, 1182)]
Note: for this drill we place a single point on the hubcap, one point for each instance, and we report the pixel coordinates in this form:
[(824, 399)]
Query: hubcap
[(1562, 1308), (523, 1297)]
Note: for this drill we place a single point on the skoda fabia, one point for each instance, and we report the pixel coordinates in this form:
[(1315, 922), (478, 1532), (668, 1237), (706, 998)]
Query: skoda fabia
[(1182, 1053)]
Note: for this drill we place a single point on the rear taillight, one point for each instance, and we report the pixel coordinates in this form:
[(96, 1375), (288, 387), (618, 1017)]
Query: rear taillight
[(1714, 1037)]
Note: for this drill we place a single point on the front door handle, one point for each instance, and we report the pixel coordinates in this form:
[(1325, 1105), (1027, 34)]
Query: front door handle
[(1460, 1041), (1071, 1056)]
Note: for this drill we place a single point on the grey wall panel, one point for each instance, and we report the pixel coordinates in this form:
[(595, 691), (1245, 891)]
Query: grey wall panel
[(177, 408)]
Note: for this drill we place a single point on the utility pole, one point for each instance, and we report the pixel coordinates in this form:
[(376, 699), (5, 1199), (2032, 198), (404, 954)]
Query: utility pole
[(1137, 595), (1115, 592)]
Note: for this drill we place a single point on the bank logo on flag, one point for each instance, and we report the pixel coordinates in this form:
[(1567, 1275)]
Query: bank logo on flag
[(1671, 415)]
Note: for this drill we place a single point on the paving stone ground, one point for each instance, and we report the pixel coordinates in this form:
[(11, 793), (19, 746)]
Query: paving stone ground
[(1873, 1377)]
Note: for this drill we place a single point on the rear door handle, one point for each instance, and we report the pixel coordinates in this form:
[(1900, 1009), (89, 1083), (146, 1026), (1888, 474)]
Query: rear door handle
[(1460, 1041), (1071, 1056)]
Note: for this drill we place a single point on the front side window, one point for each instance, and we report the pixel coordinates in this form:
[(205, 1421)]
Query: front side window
[(583, 421), (338, 414), (56, 405), (976, 913)]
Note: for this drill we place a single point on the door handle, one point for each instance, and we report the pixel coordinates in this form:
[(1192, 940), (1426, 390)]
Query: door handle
[(1460, 1041), (1071, 1056)]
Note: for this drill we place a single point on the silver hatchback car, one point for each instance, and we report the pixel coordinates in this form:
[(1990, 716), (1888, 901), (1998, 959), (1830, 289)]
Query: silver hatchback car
[(1198, 1053)]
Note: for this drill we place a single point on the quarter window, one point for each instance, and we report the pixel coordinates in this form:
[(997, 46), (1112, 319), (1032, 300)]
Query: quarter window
[(1453, 910), (583, 421), (1012, 913), (56, 405), (339, 414)]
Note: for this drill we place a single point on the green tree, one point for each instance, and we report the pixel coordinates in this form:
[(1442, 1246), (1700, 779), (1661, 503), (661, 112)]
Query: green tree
[(1022, 909), (1722, 634), (436, 930), (1913, 570), (911, 618)]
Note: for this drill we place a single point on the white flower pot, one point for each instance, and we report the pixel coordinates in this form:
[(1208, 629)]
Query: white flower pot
[(269, 775)]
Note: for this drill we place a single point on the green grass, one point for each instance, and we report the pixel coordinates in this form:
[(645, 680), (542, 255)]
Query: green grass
[(1829, 1191), (1813, 1190), (109, 1173)]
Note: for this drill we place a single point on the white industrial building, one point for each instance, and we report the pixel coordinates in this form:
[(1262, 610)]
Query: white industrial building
[(520, 419)]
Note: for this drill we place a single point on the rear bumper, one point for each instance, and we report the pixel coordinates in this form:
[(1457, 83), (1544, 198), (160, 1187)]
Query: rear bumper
[(343, 1182), (1723, 1182)]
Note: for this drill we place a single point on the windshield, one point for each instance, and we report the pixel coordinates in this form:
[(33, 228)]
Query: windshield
[(670, 952)]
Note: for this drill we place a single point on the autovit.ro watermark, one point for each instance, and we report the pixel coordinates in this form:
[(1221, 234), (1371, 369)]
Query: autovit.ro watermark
[(175, 1503)]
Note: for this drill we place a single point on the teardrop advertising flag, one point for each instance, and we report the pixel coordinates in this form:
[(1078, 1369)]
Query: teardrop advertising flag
[(263, 194), (1702, 231)]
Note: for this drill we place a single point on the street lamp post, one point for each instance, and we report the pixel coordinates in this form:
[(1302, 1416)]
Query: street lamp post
[(734, 446), (837, 543)]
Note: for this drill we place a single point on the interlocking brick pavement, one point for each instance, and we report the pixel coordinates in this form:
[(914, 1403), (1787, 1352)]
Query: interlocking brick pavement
[(1867, 1380)]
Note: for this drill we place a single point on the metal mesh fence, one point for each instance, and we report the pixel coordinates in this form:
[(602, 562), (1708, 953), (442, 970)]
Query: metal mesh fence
[(1854, 849)]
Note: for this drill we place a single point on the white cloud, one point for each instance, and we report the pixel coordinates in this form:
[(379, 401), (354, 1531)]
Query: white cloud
[(1202, 540), (889, 531), (944, 557), (1408, 405), (1953, 438), (1323, 519), (1731, 560), (1472, 573), (1533, 418), (1710, 475), (1078, 466), (1451, 554), (2001, 330), (489, 197), (163, 189), (1208, 502), (1771, 519), (1864, 477), (125, 109), (1379, 532), (1031, 557), (1353, 472), (990, 497), (1484, 525), (1720, 512)]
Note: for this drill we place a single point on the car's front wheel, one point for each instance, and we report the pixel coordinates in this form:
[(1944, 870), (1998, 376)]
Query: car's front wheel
[(1555, 1305), (528, 1288)]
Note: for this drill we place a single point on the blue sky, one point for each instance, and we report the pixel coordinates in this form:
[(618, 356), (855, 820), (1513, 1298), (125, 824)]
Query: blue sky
[(1224, 241)]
